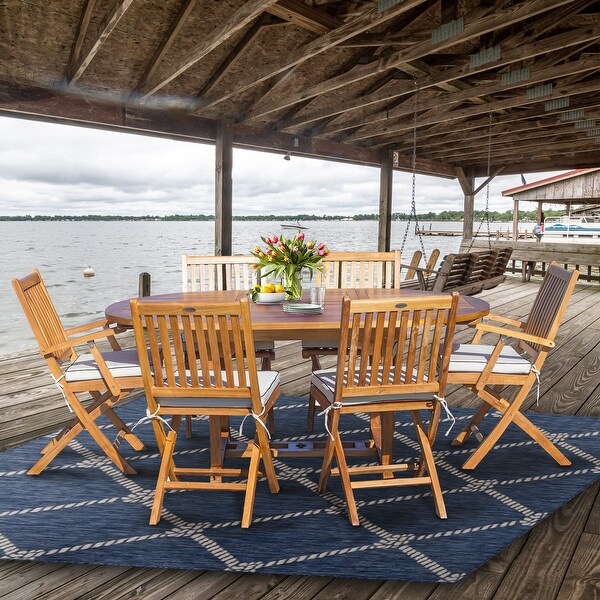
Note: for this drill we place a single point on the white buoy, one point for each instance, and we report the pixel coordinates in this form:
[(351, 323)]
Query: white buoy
[(89, 272)]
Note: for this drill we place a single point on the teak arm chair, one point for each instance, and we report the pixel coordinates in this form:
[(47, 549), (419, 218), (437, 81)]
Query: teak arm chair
[(349, 270), (107, 376), (195, 337), (396, 369), (487, 369)]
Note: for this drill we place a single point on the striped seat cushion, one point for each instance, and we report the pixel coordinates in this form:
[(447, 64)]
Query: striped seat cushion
[(267, 382), (325, 380), (472, 358), (121, 363)]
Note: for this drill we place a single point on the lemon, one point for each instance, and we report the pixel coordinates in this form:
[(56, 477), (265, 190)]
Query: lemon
[(279, 288), (266, 289)]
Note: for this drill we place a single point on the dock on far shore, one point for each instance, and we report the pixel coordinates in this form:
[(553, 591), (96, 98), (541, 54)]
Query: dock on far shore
[(498, 234)]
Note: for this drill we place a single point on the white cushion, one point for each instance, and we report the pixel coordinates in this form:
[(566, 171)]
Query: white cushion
[(325, 380), (267, 383), (472, 358), (121, 363)]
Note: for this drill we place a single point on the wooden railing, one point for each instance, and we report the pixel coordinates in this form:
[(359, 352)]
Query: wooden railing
[(533, 258)]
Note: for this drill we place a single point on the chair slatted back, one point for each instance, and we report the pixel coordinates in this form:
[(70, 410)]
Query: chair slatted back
[(400, 339), (484, 263), (201, 335), (454, 271), (43, 319), (360, 270), (549, 306), (501, 262), (209, 273)]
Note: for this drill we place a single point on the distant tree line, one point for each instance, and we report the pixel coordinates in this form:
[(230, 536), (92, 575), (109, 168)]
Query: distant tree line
[(446, 215)]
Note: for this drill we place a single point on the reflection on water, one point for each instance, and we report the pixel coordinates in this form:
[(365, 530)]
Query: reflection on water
[(119, 250)]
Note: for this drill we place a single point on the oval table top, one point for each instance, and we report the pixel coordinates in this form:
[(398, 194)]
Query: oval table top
[(270, 323)]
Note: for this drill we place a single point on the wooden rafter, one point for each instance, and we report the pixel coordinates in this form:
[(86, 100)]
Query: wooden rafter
[(167, 41), (366, 21), (451, 99), (474, 26), (525, 52), (250, 11), (307, 17), (114, 12)]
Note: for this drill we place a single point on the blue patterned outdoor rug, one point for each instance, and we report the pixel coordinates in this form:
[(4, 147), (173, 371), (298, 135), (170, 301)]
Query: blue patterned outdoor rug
[(83, 510)]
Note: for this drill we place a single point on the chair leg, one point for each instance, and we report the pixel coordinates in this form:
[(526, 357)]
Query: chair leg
[(163, 474), (310, 419), (267, 457), (251, 486), (345, 479), (188, 426), (124, 431), (537, 435), (463, 436), (436, 490), (86, 421)]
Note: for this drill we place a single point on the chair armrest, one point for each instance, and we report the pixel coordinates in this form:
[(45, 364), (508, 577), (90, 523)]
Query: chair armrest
[(99, 324), (419, 269), (501, 319), (82, 339), (520, 335)]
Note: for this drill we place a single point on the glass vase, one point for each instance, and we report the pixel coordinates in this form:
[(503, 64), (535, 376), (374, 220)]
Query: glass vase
[(292, 282)]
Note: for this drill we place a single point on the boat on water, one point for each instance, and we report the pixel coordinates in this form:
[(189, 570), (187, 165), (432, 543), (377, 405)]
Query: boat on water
[(292, 226), (580, 229)]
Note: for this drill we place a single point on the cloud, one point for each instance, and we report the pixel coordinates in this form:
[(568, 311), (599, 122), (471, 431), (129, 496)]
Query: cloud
[(51, 169)]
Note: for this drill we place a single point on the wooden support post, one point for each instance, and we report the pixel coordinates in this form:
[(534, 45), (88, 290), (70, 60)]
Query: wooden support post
[(144, 285), (386, 184), (467, 184), (223, 189), (516, 220)]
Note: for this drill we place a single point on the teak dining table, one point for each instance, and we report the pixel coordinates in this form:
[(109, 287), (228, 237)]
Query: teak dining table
[(270, 323)]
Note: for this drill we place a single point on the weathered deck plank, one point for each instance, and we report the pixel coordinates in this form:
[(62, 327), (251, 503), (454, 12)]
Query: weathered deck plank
[(557, 559)]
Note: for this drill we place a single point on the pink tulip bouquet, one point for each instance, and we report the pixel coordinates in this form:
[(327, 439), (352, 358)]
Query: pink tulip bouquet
[(284, 257)]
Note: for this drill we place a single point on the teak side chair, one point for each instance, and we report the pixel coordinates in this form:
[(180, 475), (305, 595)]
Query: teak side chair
[(487, 369), (195, 337), (209, 273), (106, 376), (349, 270), (396, 369)]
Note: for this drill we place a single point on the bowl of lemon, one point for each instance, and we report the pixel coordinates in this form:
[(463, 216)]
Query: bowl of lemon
[(268, 293)]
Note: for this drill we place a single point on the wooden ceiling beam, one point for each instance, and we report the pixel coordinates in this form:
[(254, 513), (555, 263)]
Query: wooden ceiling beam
[(525, 52), (77, 46), (237, 53), (475, 25), (478, 138), (167, 41), (367, 20), (304, 16), (114, 12), (477, 128), (464, 113), (250, 11)]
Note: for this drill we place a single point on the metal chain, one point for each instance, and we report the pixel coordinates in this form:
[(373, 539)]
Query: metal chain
[(486, 212), (413, 205)]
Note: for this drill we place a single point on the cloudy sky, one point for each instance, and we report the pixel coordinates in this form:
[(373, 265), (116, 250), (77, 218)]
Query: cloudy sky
[(48, 169)]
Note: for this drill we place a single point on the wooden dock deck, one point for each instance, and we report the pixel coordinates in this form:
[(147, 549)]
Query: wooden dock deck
[(559, 559), (497, 234)]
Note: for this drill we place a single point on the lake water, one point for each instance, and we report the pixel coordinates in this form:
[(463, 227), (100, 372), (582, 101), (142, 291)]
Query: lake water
[(119, 251)]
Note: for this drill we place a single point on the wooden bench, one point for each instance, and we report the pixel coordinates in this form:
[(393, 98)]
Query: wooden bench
[(467, 273), (526, 256)]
